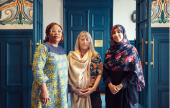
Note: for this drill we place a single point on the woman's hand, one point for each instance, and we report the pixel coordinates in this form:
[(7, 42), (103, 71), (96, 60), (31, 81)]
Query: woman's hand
[(114, 89), (87, 91), (78, 92), (44, 94), (119, 86), (44, 98)]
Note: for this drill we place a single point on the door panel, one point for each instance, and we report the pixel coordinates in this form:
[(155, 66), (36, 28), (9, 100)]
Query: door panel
[(14, 61), (76, 23), (99, 35), (14, 72), (98, 20), (99, 29), (143, 31), (77, 20), (163, 63), (37, 22), (160, 71), (11, 96), (163, 98), (73, 38)]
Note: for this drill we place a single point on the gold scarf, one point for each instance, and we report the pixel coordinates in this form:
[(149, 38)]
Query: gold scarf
[(79, 77)]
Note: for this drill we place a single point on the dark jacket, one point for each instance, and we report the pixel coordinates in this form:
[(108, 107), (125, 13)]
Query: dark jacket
[(128, 79)]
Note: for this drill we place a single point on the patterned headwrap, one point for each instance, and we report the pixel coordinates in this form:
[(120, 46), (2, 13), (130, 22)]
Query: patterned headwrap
[(124, 57)]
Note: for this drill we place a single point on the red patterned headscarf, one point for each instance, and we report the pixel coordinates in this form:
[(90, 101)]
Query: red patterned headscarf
[(124, 57)]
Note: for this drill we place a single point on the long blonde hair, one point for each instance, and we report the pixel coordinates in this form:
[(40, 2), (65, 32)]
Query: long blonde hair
[(91, 50)]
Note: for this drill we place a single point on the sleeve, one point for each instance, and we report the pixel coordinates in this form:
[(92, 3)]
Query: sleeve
[(99, 65), (106, 78), (129, 79), (39, 62)]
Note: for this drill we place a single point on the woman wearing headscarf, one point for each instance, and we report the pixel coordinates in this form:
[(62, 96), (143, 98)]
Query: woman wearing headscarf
[(122, 71), (85, 73)]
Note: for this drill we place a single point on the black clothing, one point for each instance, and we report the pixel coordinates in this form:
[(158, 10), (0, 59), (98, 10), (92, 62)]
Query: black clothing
[(96, 99), (127, 97)]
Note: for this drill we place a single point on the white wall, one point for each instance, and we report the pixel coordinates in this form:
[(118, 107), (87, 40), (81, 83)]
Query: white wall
[(52, 12), (122, 10)]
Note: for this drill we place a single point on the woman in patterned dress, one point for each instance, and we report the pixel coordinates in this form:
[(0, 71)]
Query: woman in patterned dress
[(85, 73), (50, 71), (122, 71)]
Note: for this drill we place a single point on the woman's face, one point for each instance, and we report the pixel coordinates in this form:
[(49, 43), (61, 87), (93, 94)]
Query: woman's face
[(84, 43), (55, 34), (117, 35)]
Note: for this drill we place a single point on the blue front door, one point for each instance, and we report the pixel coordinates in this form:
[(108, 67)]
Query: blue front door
[(153, 47), (14, 70), (15, 61), (160, 69)]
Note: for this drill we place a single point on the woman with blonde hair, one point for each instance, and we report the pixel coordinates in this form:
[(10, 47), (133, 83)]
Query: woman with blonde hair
[(85, 73)]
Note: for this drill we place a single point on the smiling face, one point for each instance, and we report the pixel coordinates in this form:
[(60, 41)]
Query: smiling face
[(117, 35), (55, 34), (84, 42)]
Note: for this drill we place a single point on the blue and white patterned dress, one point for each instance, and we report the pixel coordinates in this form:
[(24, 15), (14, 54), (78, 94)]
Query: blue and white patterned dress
[(50, 66)]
